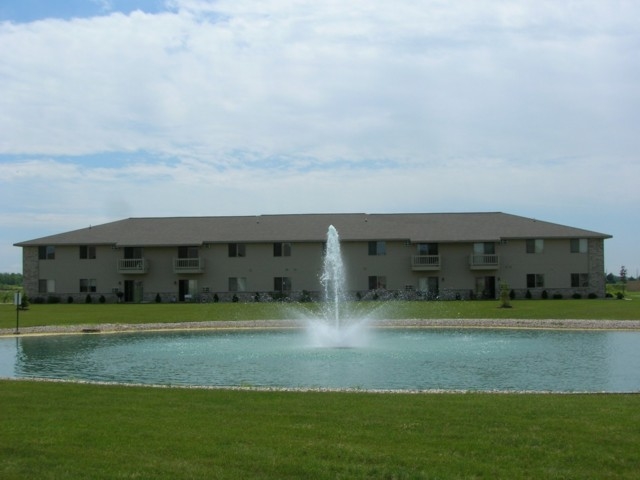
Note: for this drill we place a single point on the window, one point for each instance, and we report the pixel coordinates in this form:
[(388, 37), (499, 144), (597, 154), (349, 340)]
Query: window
[(46, 286), (484, 248), (132, 253), (377, 282), (188, 252), (87, 285), (427, 249), (87, 252), (237, 284), (579, 280), (47, 253), (535, 245), (282, 249), (579, 245), (378, 248), (237, 250), (282, 284), (535, 280)]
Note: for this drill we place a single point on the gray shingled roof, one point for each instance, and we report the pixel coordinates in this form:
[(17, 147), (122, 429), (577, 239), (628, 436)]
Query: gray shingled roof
[(415, 227)]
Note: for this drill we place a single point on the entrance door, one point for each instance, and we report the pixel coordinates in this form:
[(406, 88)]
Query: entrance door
[(429, 286), (486, 287), (187, 289), (133, 291)]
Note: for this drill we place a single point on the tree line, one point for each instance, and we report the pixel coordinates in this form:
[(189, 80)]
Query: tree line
[(11, 279)]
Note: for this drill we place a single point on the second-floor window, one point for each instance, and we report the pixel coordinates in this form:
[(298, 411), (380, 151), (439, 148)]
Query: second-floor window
[(282, 249), (427, 249), (535, 245), (87, 252), (579, 245), (47, 253), (237, 250), (188, 252), (378, 247)]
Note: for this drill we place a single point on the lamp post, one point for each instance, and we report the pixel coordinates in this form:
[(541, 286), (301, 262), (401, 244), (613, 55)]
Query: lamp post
[(17, 300)]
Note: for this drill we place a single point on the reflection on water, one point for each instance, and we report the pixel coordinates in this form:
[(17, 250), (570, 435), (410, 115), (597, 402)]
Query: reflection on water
[(405, 359)]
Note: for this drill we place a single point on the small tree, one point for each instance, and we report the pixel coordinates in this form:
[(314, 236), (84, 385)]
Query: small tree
[(505, 298), (623, 278)]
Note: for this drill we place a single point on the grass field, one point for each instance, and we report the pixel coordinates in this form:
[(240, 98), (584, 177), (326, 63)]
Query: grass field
[(51, 430), (74, 314)]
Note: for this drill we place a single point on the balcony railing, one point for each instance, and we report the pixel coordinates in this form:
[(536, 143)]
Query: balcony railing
[(425, 262), (188, 265), (484, 262), (133, 265)]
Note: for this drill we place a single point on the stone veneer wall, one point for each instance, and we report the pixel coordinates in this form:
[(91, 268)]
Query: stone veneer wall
[(597, 280), (30, 271)]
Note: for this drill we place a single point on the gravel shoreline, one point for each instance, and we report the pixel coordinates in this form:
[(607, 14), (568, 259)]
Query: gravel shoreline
[(271, 324)]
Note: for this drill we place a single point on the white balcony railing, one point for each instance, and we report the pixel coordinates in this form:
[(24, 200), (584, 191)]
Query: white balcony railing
[(188, 265), (425, 262), (133, 265), (483, 262)]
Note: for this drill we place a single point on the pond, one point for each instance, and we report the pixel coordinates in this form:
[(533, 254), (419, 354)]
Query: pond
[(390, 359)]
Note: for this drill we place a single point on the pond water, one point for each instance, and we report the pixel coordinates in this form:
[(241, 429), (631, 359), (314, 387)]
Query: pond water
[(390, 359)]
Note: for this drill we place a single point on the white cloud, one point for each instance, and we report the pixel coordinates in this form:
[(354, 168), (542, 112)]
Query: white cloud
[(245, 107)]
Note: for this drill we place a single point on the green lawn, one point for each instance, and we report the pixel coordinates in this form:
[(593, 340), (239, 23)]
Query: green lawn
[(58, 431), (74, 314)]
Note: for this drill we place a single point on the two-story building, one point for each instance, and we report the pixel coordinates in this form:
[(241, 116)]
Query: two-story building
[(424, 255)]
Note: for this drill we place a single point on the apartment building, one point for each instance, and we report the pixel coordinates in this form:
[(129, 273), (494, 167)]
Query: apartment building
[(247, 258)]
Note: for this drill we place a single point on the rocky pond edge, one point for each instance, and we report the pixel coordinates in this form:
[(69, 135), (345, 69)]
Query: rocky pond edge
[(555, 324)]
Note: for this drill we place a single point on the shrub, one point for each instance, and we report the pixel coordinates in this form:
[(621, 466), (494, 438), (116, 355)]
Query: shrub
[(545, 294), (512, 294), (557, 296), (102, 299), (88, 298), (576, 296), (158, 298), (69, 299), (592, 295), (53, 299), (528, 295), (235, 298), (619, 295)]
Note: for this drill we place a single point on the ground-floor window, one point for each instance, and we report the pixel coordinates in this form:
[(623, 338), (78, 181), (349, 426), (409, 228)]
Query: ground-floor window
[(237, 284), (87, 285), (535, 280), (282, 284), (377, 282), (46, 285), (579, 280)]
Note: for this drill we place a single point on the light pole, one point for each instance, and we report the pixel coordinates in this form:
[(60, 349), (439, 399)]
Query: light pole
[(17, 300)]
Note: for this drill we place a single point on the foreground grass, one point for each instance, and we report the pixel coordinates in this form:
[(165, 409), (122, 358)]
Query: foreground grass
[(75, 314), (52, 430)]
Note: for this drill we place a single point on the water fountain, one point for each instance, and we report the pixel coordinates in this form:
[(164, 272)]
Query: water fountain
[(338, 326)]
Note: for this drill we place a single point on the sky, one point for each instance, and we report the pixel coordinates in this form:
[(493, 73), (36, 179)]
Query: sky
[(134, 108)]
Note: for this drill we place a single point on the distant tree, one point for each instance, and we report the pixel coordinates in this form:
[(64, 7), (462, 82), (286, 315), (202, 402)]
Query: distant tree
[(11, 279), (623, 277), (611, 278)]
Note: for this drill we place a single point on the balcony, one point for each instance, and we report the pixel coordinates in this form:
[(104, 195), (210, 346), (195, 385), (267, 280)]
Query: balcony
[(133, 266), (421, 263), (188, 265), (483, 262)]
